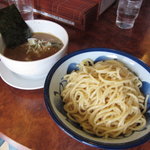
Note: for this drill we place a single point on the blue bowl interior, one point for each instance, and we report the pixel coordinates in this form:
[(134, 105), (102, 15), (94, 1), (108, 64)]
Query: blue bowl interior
[(54, 84)]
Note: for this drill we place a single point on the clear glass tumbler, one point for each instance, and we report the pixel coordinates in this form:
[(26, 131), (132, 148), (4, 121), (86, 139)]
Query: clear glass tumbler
[(127, 12), (25, 8)]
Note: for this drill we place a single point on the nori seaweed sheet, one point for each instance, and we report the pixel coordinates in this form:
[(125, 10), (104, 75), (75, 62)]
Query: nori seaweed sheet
[(13, 28)]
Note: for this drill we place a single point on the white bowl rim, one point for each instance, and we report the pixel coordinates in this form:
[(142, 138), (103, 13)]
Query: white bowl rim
[(72, 133)]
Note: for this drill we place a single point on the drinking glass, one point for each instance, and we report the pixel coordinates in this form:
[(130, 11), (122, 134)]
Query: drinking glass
[(127, 12), (25, 8)]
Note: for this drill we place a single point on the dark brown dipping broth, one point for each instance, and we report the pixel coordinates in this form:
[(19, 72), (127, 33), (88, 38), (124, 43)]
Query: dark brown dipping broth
[(20, 52)]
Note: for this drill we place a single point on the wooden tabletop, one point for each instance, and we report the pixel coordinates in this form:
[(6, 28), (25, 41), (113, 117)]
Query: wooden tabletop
[(23, 114)]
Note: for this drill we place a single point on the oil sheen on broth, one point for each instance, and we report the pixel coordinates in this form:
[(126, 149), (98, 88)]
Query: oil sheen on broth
[(40, 46)]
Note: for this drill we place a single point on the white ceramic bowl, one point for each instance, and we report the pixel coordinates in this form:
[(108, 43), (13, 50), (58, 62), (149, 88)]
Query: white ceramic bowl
[(54, 84), (39, 68)]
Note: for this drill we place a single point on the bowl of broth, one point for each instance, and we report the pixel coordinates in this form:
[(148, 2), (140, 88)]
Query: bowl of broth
[(34, 58)]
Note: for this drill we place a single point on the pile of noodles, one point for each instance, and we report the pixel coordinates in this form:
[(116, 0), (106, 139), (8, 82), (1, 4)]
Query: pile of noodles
[(104, 98)]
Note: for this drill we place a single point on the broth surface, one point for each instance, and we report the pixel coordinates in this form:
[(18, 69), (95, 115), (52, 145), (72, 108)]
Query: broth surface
[(27, 52)]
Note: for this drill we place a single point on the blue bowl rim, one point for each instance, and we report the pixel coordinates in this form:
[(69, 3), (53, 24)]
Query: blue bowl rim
[(72, 133)]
